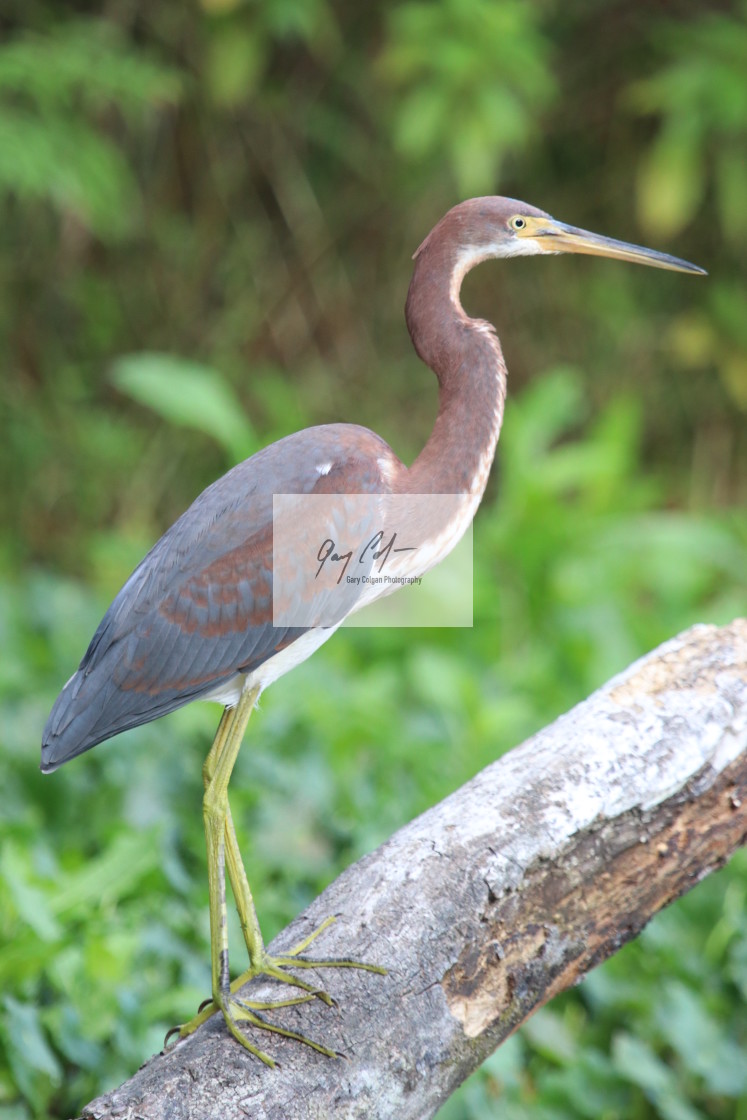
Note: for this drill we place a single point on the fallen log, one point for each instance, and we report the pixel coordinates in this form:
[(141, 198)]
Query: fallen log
[(490, 903)]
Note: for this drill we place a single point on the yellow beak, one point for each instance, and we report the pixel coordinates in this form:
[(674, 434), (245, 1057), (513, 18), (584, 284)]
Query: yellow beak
[(556, 237)]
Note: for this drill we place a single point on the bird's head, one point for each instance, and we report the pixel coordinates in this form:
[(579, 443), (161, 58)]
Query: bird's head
[(484, 228)]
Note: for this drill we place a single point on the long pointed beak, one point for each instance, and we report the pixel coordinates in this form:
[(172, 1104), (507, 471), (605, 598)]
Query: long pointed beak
[(556, 237)]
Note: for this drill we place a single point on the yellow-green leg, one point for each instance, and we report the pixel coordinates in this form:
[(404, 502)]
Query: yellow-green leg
[(259, 962), (236, 873), (222, 851)]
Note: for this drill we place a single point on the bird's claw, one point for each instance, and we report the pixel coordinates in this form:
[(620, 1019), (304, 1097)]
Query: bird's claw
[(237, 1010)]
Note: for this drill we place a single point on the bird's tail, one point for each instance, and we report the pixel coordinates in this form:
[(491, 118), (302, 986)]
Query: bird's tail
[(73, 724)]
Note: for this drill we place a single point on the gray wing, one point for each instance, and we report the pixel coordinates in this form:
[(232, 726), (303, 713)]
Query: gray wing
[(199, 608)]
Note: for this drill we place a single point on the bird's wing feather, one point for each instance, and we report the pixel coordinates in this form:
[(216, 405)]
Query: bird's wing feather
[(199, 609)]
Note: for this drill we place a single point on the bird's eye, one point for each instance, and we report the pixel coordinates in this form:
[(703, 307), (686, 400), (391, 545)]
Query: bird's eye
[(518, 222)]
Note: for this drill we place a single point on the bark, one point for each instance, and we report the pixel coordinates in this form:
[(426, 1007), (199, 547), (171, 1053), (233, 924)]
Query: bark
[(493, 901)]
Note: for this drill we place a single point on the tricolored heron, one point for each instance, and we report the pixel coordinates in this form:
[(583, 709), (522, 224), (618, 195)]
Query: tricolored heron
[(195, 619)]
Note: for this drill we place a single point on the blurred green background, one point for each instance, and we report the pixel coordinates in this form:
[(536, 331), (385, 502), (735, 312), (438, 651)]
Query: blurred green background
[(207, 215)]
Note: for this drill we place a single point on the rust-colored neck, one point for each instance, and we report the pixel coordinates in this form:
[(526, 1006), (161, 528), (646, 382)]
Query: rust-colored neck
[(466, 357)]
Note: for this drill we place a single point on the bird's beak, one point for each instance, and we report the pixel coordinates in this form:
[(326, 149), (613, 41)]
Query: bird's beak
[(556, 237)]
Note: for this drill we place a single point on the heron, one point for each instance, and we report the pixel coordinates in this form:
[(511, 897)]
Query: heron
[(195, 619)]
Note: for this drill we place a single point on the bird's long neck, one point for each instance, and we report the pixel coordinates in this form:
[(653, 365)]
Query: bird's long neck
[(466, 357)]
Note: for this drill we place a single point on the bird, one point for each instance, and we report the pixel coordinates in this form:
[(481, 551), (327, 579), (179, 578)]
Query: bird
[(198, 618)]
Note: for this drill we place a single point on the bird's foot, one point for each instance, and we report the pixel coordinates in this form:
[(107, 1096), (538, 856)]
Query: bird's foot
[(277, 966), (238, 1011)]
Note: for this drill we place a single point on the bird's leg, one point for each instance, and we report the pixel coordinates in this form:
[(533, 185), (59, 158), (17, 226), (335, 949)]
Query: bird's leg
[(223, 851), (259, 962), (249, 922), (216, 814)]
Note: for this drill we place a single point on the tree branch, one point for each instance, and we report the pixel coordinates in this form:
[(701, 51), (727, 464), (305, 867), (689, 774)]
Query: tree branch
[(493, 901)]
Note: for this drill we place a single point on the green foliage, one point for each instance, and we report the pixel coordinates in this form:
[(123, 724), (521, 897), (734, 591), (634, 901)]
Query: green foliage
[(187, 394), (702, 102), (50, 89), (104, 927), (85, 65), (97, 187), (696, 160), (242, 184), (607, 577), (474, 75)]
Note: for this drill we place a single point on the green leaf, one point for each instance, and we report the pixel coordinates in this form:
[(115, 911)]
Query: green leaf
[(108, 878), (671, 181), (550, 1036), (703, 1045), (189, 394), (71, 165), (236, 58), (636, 1061), (731, 188), (34, 1066), (30, 901), (88, 60)]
